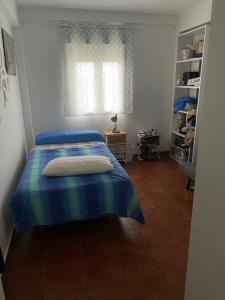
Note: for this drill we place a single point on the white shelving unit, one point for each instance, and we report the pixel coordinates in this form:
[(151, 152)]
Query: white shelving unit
[(194, 64), (189, 60), (186, 87), (178, 133)]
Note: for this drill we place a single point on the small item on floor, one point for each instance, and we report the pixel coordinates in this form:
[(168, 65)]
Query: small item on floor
[(148, 144)]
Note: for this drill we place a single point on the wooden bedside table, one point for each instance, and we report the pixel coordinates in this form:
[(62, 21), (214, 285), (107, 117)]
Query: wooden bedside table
[(117, 143)]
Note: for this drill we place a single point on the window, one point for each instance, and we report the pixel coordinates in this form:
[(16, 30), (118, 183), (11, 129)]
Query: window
[(84, 86), (97, 74)]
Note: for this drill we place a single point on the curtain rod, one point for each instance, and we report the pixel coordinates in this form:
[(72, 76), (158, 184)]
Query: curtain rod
[(71, 23)]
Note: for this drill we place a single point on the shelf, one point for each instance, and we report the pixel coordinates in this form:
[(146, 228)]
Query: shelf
[(186, 87), (189, 60), (193, 31), (178, 133), (180, 89), (183, 111)]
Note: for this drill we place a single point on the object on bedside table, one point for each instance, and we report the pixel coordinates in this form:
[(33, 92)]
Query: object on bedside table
[(117, 143), (114, 119)]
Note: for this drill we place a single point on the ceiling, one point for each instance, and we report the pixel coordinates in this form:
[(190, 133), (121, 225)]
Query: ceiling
[(147, 6)]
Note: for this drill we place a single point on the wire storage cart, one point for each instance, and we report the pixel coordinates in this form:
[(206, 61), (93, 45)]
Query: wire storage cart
[(148, 144)]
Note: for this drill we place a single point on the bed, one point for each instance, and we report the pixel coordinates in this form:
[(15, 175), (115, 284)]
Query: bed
[(42, 200)]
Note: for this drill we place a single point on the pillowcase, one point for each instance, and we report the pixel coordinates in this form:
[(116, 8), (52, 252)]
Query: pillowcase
[(68, 136), (77, 165)]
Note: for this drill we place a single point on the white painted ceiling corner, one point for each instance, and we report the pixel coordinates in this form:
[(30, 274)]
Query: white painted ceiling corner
[(9, 8), (136, 6)]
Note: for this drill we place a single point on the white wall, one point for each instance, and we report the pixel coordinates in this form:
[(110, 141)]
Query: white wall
[(206, 266), (153, 71), (12, 143), (196, 16), (24, 90), (10, 11)]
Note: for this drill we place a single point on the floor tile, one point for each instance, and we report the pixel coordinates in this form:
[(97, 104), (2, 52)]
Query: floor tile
[(177, 278), (71, 296), (144, 199), (177, 282), (103, 224), (182, 232), (156, 232), (130, 239), (29, 238), (140, 264), (172, 215), (153, 288), (25, 285), (25, 257), (110, 257), (98, 245), (104, 272), (63, 280), (67, 251), (115, 293), (171, 257), (61, 233), (183, 199), (157, 196)]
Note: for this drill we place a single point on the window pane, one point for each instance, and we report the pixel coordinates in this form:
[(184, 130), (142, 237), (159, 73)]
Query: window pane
[(85, 87), (112, 86)]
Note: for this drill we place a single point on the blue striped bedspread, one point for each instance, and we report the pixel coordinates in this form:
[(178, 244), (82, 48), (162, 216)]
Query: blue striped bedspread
[(41, 200)]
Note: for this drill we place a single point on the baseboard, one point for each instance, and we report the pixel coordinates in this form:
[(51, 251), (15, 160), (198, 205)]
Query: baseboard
[(164, 153), (8, 244)]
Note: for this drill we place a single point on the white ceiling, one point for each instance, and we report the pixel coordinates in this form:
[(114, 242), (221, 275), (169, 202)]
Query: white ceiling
[(148, 6)]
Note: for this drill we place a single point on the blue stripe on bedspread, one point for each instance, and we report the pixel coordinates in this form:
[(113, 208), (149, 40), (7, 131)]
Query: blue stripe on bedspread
[(41, 200)]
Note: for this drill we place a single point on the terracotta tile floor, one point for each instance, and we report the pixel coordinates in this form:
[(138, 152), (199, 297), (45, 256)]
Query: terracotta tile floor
[(110, 258)]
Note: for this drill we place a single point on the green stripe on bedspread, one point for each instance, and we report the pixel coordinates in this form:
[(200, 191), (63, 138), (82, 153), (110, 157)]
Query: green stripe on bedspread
[(35, 201)]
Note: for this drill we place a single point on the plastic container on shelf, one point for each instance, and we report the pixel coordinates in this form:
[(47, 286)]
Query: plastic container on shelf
[(186, 53)]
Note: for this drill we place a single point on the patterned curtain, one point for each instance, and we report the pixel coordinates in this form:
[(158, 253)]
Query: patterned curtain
[(97, 68)]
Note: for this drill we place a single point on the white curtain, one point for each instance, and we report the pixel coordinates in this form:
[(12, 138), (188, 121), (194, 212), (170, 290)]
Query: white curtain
[(97, 69)]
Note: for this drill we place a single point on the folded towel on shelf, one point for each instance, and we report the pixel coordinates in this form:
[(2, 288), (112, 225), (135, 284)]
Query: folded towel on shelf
[(180, 103)]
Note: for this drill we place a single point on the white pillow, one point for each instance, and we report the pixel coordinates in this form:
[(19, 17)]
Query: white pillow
[(76, 165)]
